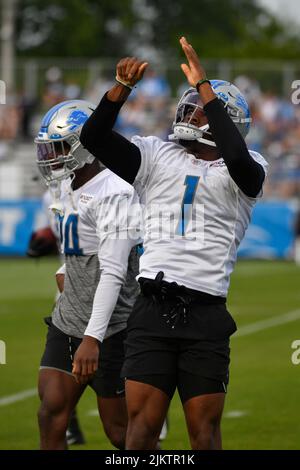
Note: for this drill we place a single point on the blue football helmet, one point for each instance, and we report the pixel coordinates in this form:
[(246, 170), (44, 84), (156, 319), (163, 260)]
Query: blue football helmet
[(59, 151)]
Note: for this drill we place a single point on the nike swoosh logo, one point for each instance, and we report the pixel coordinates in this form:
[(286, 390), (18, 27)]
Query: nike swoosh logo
[(118, 392)]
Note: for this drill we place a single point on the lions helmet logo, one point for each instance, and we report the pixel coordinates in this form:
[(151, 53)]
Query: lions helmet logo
[(77, 118)]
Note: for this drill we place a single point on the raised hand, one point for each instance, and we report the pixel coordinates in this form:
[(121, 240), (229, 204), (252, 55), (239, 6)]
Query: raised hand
[(194, 70), (130, 70)]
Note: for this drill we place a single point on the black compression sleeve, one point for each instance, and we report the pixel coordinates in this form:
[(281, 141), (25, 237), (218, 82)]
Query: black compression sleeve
[(113, 150), (243, 169)]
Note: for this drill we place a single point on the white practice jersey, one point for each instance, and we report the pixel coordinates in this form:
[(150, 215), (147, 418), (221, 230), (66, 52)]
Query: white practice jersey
[(195, 216), (93, 212), (100, 220)]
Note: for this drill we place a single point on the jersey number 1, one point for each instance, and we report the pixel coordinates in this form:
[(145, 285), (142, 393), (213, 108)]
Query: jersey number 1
[(191, 183)]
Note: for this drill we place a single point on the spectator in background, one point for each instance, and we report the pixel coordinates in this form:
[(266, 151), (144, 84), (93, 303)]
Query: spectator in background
[(135, 119), (99, 85), (9, 124), (155, 89), (249, 87), (72, 90), (54, 92), (27, 106), (145, 111)]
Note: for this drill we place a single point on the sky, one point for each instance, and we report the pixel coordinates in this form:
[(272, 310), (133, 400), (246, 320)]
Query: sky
[(286, 9)]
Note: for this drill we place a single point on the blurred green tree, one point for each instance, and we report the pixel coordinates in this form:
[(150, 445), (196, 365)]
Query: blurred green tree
[(224, 28), (73, 28), (112, 28)]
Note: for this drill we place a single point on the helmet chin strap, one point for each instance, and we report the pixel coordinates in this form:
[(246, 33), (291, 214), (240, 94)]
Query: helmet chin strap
[(203, 140), (71, 192), (88, 161), (211, 143), (81, 155)]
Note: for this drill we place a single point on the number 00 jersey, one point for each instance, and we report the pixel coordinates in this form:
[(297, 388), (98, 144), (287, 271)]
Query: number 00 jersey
[(195, 216)]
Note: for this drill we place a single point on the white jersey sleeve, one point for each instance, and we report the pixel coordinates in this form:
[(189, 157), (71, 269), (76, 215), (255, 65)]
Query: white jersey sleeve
[(118, 230), (259, 159), (148, 147)]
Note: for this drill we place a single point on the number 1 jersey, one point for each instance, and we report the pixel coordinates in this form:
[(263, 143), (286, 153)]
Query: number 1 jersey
[(195, 216)]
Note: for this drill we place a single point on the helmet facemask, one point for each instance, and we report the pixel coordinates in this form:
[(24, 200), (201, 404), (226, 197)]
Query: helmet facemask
[(57, 160), (184, 126)]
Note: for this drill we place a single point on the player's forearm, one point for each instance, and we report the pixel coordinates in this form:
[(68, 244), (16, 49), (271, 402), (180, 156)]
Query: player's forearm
[(206, 93), (118, 93), (98, 127), (60, 277), (113, 258), (246, 173), (112, 149), (60, 281), (105, 300)]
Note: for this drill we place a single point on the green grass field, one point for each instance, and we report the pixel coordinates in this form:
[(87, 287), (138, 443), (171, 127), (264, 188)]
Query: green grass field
[(263, 407)]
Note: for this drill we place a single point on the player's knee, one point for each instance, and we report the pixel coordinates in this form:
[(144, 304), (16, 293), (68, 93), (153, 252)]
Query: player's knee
[(143, 426), (203, 440), (52, 413), (116, 435), (141, 436), (203, 436)]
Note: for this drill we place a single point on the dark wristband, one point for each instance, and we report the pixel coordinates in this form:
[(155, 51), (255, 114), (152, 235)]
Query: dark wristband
[(200, 82)]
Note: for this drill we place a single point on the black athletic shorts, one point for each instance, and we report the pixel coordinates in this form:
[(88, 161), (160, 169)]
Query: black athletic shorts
[(193, 356), (106, 382)]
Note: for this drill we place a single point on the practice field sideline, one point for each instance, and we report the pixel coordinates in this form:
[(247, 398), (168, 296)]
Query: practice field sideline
[(262, 409)]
